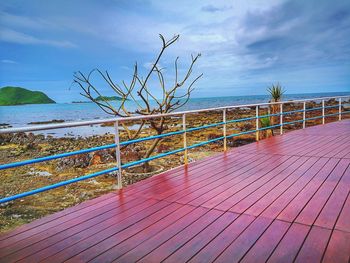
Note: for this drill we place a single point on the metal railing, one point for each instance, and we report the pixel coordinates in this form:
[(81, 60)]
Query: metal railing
[(118, 168)]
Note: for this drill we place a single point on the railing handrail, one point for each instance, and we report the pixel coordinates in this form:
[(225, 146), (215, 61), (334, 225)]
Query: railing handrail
[(184, 131), (143, 117)]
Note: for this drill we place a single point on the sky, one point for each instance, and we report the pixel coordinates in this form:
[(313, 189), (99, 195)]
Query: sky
[(245, 45)]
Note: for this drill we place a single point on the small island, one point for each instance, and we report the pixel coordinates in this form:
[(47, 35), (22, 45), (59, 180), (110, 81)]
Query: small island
[(20, 96), (106, 98)]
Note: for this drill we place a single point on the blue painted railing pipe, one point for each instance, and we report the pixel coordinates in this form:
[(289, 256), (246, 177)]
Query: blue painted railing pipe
[(53, 186)]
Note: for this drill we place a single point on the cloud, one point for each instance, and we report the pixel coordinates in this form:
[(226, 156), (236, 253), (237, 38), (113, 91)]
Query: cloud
[(12, 36), (214, 9), (8, 61), (250, 43)]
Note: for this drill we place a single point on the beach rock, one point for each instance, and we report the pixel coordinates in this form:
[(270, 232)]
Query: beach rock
[(102, 157), (76, 161), (163, 148), (212, 136), (132, 153), (19, 138), (246, 126)]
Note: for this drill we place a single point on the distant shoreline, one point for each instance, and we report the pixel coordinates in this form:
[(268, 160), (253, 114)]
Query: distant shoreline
[(16, 116)]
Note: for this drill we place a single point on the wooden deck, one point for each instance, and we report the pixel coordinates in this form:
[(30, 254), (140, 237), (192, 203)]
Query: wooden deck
[(283, 199)]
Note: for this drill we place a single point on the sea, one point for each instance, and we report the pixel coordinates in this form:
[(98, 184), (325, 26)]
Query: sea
[(23, 115)]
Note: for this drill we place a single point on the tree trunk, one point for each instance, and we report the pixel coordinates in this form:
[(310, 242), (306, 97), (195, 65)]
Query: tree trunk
[(146, 167)]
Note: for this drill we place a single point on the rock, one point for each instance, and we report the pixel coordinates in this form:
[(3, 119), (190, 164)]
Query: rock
[(212, 136), (102, 157), (131, 153), (75, 161), (163, 148), (246, 126)]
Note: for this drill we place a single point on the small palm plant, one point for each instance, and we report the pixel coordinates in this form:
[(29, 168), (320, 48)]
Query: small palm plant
[(276, 91)]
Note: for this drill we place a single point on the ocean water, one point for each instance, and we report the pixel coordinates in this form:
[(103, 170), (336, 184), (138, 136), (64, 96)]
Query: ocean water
[(19, 116)]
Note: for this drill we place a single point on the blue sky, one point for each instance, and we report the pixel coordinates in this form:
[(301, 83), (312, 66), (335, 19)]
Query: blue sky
[(246, 45)]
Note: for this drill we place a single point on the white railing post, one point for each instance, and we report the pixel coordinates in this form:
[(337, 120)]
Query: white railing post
[(117, 154), (340, 109), (257, 123), (304, 115), (323, 118), (185, 138), (224, 128), (281, 118)]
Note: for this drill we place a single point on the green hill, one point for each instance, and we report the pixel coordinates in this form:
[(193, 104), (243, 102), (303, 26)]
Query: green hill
[(19, 96)]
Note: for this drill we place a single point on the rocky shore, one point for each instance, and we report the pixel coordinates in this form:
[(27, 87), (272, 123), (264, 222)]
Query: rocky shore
[(22, 146)]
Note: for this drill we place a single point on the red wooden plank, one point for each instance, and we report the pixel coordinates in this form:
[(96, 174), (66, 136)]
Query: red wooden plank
[(245, 241), (321, 146), (275, 146), (279, 177), (315, 146), (61, 232), (343, 222), (334, 205), (171, 183), (344, 152), (338, 249), (294, 180), (314, 245), (152, 243), (106, 204), (290, 244), (225, 200), (212, 175), (57, 215), (193, 169), (177, 173), (277, 206), (91, 252), (267, 242), (310, 212), (71, 246), (192, 247), (177, 241), (342, 147), (223, 240), (234, 195), (231, 177), (293, 209), (132, 242)]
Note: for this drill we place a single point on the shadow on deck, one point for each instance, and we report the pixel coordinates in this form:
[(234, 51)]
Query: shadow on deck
[(283, 199)]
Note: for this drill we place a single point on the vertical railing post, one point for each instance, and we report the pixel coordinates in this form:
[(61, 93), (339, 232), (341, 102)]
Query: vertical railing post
[(281, 118), (257, 123), (340, 109), (185, 138), (117, 154), (304, 115), (323, 118), (224, 129)]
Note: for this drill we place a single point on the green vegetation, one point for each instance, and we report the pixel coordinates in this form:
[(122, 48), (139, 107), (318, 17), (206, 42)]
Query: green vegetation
[(265, 122), (106, 98), (19, 96)]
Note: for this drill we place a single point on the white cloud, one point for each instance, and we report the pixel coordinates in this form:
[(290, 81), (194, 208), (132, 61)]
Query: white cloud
[(8, 61), (12, 36)]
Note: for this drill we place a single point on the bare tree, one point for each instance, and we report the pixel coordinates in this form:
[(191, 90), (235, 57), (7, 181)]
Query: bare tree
[(173, 96)]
